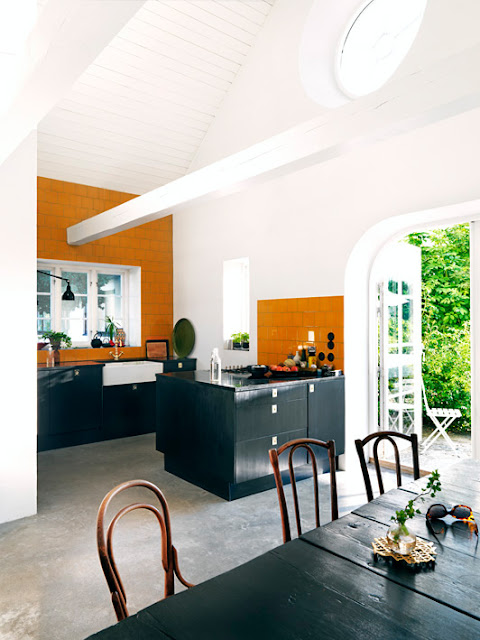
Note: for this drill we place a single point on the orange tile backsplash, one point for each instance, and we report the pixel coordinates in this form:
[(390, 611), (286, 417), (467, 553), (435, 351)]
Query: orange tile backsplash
[(284, 324), (149, 246)]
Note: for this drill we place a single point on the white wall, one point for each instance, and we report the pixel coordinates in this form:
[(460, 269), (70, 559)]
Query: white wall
[(299, 231), (18, 388)]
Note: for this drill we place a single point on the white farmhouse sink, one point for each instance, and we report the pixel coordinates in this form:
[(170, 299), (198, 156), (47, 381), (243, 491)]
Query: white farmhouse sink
[(115, 373)]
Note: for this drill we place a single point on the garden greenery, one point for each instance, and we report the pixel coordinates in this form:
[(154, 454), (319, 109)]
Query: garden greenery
[(446, 318)]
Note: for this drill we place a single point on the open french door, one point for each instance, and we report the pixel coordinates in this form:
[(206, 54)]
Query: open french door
[(398, 275)]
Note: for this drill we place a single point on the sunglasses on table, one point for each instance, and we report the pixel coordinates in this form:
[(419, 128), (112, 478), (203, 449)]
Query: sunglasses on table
[(460, 512)]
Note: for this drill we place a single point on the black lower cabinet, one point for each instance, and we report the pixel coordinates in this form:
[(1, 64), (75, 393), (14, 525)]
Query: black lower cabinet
[(326, 411), (128, 410), (73, 407), (69, 407), (218, 437)]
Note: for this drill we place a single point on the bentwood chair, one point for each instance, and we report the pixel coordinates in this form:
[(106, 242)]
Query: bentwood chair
[(105, 547), (389, 436), (307, 444)]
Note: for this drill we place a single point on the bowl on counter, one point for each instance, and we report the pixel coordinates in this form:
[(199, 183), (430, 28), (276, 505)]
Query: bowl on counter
[(257, 370)]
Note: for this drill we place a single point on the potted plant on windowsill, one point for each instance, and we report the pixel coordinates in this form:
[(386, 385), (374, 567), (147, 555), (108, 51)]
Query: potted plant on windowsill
[(245, 341), (57, 339), (237, 340), (111, 328)]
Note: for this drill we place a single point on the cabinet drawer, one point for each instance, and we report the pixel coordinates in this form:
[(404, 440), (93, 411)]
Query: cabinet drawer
[(254, 420), (271, 393), (252, 461), (186, 364)]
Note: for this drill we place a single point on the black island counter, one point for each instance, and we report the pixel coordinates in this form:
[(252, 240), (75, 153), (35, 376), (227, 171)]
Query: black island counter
[(216, 435)]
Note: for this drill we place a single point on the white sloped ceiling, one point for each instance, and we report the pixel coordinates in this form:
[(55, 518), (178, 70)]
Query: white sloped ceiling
[(136, 118)]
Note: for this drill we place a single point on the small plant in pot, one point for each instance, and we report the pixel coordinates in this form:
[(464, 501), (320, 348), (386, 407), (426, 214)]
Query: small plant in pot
[(245, 341), (237, 340), (399, 537), (58, 339), (111, 328)]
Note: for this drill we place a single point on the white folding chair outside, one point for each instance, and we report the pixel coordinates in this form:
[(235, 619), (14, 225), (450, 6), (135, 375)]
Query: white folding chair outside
[(442, 419), (397, 404)]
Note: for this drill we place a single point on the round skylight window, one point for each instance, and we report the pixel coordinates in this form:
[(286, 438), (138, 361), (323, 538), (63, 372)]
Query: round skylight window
[(376, 42)]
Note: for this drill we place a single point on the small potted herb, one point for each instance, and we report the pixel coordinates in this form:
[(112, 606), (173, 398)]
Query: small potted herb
[(399, 537), (237, 340), (245, 341)]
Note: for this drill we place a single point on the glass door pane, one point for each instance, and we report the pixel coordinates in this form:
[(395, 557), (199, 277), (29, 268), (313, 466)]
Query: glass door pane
[(74, 313), (399, 277), (44, 302)]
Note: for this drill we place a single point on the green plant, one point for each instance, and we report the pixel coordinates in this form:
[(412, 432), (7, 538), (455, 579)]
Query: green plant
[(111, 326), (245, 337), (402, 515), (236, 337), (59, 338), (446, 319)]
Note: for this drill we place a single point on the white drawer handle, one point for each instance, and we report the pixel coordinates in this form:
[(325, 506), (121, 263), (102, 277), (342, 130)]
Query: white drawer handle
[(274, 393), (180, 365), (311, 388), (274, 408)]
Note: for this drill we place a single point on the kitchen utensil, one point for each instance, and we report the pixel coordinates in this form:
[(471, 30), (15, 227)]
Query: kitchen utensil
[(183, 338), (96, 341), (157, 349), (257, 370)]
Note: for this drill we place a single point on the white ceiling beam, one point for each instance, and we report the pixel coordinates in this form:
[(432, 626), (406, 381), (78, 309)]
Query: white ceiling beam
[(66, 39), (421, 99)]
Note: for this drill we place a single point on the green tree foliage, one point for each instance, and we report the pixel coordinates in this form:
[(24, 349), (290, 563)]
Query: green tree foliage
[(446, 318)]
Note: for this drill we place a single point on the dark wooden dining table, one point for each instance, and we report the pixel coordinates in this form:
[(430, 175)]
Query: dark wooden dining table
[(327, 584)]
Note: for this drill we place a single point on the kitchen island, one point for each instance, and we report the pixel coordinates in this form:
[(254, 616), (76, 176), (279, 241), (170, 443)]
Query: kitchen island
[(217, 434)]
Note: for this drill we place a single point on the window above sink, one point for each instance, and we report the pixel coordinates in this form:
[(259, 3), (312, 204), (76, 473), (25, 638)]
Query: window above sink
[(100, 291)]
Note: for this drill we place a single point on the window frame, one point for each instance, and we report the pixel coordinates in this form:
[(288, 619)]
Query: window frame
[(92, 270), (241, 285)]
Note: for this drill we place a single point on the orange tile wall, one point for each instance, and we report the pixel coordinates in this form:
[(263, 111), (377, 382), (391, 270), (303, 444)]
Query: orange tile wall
[(62, 204), (282, 325)]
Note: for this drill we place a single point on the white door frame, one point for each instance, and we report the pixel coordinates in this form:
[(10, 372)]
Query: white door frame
[(400, 262), (361, 330)]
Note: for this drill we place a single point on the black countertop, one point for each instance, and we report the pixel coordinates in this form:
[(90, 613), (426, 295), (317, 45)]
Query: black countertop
[(236, 381), (96, 363), (61, 366)]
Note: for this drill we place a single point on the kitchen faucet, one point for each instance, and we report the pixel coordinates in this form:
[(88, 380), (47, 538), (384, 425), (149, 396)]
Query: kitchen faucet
[(115, 355)]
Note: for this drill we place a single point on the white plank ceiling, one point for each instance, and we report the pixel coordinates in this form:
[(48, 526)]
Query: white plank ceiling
[(136, 118)]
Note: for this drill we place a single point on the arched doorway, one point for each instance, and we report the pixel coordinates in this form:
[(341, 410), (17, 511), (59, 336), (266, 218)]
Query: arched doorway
[(361, 329)]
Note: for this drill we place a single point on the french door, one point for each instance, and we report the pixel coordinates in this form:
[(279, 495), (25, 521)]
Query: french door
[(398, 276)]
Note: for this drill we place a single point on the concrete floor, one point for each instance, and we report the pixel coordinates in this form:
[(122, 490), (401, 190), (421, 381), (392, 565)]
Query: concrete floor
[(52, 586)]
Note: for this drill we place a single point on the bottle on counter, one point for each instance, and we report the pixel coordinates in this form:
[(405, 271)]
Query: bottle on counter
[(50, 356), (215, 366)]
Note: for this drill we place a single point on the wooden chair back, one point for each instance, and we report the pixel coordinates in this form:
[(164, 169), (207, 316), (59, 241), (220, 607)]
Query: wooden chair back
[(105, 548), (294, 445), (377, 437)]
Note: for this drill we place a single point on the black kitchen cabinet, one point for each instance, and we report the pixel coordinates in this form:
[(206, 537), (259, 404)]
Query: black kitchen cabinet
[(326, 411), (217, 435), (179, 364), (43, 402), (69, 406), (128, 410)]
